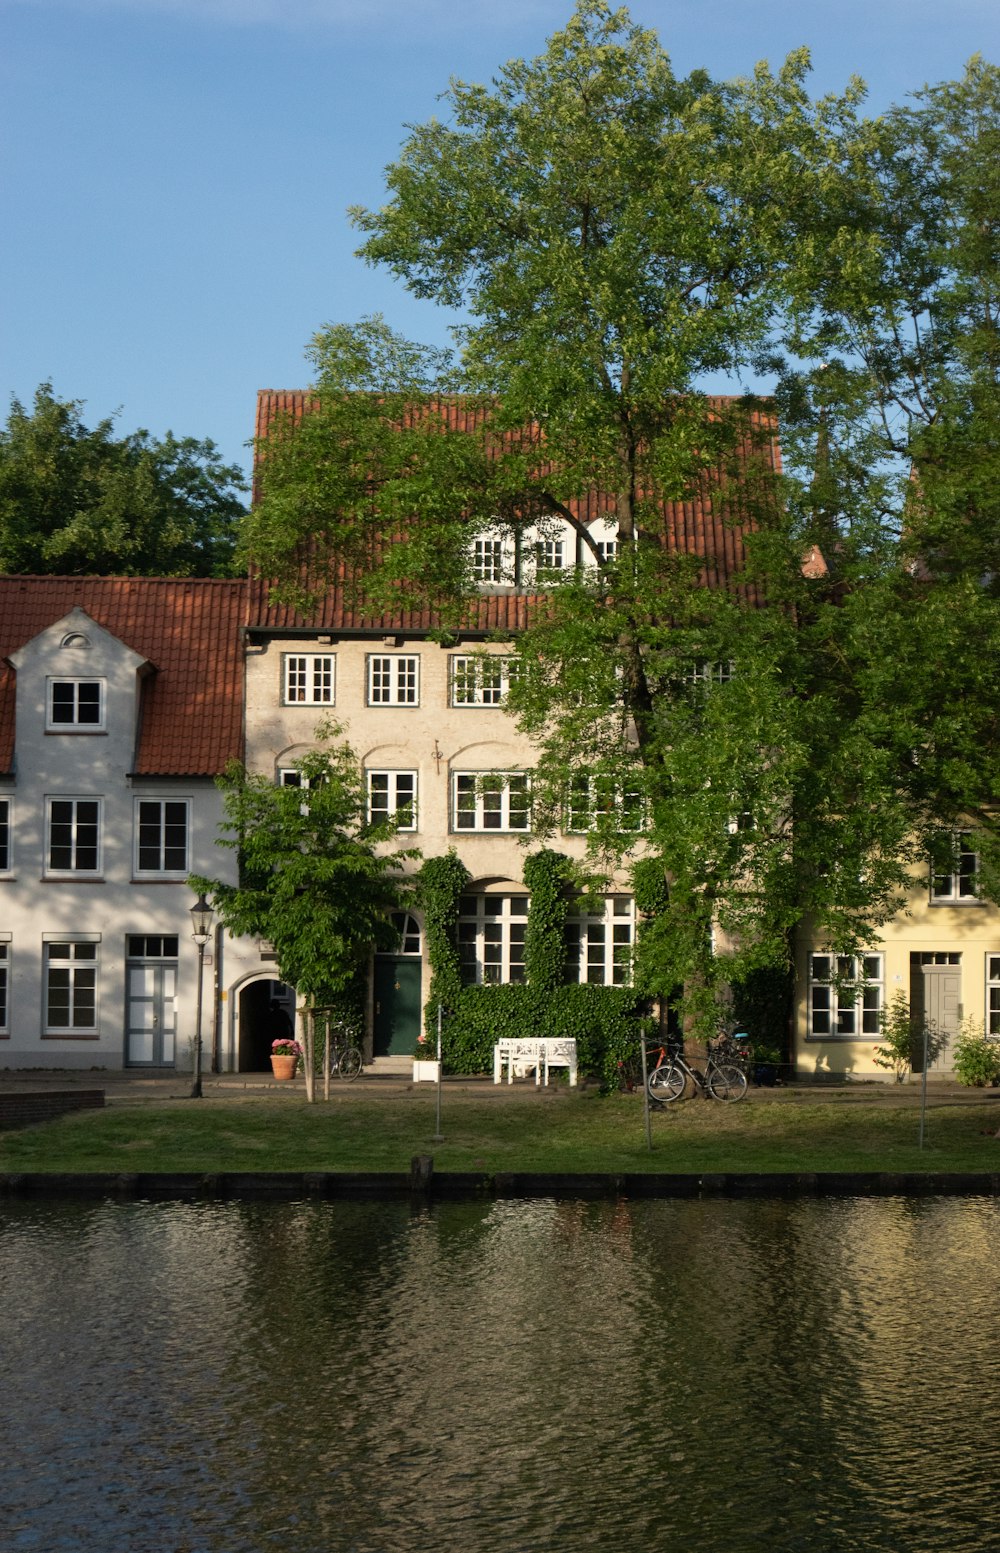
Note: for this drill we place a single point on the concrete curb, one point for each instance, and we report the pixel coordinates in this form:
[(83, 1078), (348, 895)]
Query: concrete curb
[(423, 1183)]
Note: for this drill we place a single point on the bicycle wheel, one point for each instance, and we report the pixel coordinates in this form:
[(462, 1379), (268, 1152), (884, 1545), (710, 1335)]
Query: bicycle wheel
[(726, 1082), (351, 1063), (667, 1082)]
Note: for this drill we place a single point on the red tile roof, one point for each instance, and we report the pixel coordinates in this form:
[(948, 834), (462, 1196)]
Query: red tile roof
[(701, 527), (188, 629)]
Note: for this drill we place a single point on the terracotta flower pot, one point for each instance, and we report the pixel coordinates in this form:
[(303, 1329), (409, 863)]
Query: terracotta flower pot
[(284, 1064)]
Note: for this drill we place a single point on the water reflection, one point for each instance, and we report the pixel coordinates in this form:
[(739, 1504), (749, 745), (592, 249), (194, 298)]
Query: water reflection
[(552, 1375)]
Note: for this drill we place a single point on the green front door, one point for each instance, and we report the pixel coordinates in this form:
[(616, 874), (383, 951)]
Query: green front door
[(397, 1005)]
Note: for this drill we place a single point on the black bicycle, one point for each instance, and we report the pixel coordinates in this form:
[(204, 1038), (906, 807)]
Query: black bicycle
[(721, 1080)]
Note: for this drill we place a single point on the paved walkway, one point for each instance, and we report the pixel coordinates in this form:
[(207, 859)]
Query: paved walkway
[(134, 1088)]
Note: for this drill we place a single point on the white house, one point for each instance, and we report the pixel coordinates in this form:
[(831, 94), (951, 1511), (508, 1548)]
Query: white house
[(120, 701)]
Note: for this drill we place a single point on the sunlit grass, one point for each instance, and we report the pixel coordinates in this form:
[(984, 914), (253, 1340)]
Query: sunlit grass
[(550, 1132)]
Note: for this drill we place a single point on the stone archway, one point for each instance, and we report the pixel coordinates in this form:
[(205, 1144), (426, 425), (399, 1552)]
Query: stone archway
[(265, 1009)]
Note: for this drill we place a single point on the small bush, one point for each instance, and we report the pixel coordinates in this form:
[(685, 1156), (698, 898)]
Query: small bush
[(976, 1058)]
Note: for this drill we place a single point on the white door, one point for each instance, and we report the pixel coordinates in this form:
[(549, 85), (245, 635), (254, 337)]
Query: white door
[(151, 1016)]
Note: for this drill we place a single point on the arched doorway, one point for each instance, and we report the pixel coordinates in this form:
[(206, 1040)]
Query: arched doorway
[(265, 1010), (396, 1023)]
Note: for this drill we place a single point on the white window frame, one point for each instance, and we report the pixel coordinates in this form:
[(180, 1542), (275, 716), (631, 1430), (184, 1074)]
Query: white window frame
[(73, 723), (959, 886), (858, 999), (183, 869), (73, 871), (309, 679), (481, 802), (480, 679), (77, 966), (992, 1021), (399, 684), (710, 671), (491, 560), (594, 799), (397, 801), (6, 836), (6, 982), (291, 776), (600, 944), (550, 554), (491, 937)]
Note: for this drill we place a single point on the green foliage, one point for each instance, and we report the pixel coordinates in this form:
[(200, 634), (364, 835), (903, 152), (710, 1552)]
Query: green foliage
[(896, 1048), (440, 885), (761, 1005), (75, 500), (547, 875), (613, 234), (976, 1058), (346, 1011), (312, 880), (604, 1021)]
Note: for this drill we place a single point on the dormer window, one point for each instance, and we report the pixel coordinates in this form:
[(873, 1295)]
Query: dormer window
[(487, 560), (75, 705)]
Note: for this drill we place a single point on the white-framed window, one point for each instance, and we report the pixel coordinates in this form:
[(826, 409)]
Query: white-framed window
[(392, 795), (73, 843), (4, 983), (993, 995), (607, 550), (593, 800), (957, 884), (291, 776), (709, 671), (550, 555), (846, 995), (599, 943), (491, 801), (408, 928), (152, 946), (393, 679), (6, 832), (309, 678), (75, 705), (161, 835), (480, 679), (488, 559), (71, 966), (491, 930)]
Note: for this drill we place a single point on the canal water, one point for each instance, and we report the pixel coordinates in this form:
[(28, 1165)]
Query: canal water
[(500, 1377)]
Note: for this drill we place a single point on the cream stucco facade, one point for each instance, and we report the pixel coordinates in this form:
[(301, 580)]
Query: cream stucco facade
[(942, 952)]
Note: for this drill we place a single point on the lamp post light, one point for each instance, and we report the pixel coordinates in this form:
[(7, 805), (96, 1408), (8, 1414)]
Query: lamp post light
[(201, 924)]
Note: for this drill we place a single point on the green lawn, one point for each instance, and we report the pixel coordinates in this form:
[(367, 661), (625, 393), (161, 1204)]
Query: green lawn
[(558, 1131)]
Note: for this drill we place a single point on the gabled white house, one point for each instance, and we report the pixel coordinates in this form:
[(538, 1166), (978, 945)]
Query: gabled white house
[(120, 700)]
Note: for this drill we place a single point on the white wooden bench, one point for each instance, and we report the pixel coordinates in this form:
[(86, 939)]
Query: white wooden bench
[(519, 1057)]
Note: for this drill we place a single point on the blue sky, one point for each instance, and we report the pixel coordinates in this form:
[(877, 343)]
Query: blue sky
[(176, 172)]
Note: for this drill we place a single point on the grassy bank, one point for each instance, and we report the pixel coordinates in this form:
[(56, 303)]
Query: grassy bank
[(555, 1131)]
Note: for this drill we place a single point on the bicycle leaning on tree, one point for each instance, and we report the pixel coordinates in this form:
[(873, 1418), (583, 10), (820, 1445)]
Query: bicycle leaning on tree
[(722, 1079)]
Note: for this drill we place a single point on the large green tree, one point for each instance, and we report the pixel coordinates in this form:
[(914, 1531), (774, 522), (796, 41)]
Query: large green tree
[(81, 500), (314, 880), (614, 234)]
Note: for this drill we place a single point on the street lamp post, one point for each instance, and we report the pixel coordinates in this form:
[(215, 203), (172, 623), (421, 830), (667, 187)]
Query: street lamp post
[(201, 923)]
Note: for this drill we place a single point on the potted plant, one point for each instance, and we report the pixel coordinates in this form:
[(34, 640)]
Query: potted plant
[(426, 1069), (285, 1054)]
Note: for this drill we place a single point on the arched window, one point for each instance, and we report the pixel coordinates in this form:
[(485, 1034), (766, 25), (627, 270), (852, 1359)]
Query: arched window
[(408, 929)]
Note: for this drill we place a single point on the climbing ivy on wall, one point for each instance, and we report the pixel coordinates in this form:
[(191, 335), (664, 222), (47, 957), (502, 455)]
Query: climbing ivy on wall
[(441, 882), (546, 875)]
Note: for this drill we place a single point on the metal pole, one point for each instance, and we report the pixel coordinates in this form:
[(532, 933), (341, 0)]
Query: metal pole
[(196, 1084), (438, 1135), (645, 1095), (923, 1090)]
